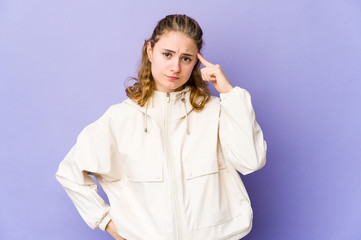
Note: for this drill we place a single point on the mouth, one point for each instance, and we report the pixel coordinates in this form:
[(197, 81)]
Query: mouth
[(173, 78)]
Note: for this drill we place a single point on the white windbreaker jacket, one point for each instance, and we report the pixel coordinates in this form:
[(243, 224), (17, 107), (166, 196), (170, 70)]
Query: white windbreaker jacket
[(170, 173)]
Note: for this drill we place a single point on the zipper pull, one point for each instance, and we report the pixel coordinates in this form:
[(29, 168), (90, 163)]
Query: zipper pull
[(168, 97)]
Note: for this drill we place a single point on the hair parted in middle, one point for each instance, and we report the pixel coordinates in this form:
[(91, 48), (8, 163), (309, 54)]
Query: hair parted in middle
[(143, 88)]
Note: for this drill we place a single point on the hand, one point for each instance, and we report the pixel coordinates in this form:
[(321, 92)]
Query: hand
[(112, 230), (214, 73)]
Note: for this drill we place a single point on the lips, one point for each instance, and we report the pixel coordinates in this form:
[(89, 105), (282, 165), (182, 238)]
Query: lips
[(173, 78)]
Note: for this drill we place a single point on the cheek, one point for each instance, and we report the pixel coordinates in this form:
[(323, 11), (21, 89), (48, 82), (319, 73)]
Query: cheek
[(156, 65), (159, 63), (189, 69)]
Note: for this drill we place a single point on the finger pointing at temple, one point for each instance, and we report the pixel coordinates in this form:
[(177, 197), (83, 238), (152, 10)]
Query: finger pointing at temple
[(213, 73), (204, 61)]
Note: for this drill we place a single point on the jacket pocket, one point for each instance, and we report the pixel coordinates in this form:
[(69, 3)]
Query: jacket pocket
[(203, 166), (212, 201), (141, 204), (145, 172)]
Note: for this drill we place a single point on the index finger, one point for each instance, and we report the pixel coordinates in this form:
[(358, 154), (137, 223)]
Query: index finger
[(204, 61)]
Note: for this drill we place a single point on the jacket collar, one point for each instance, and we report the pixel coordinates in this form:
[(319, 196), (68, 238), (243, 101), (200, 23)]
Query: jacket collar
[(158, 100)]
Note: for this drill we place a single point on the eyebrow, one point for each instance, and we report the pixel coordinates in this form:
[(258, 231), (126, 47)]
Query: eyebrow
[(187, 54)]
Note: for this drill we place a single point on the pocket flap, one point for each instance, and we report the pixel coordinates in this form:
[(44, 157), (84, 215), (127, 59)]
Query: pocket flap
[(145, 172), (203, 165)]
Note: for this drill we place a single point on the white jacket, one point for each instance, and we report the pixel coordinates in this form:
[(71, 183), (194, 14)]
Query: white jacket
[(169, 172)]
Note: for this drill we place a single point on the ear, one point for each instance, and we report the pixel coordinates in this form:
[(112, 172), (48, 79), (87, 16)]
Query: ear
[(149, 51)]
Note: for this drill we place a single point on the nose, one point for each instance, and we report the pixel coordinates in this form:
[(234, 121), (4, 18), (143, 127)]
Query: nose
[(175, 65)]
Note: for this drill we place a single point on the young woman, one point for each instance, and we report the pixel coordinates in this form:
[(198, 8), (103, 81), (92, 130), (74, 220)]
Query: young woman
[(167, 157)]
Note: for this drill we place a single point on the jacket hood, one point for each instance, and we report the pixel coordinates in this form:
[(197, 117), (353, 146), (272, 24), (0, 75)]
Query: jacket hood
[(179, 101)]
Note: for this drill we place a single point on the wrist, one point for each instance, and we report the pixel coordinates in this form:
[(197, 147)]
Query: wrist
[(227, 89), (105, 222)]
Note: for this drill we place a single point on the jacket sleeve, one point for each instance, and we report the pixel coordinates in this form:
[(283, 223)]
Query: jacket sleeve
[(241, 137), (95, 152)]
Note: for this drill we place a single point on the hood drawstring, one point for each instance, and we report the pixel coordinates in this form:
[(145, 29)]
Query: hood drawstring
[(145, 118), (185, 110)]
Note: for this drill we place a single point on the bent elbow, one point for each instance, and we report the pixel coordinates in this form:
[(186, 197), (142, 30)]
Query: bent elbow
[(260, 163), (257, 161), (260, 156)]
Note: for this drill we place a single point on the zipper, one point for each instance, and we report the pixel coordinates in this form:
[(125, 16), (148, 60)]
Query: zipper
[(171, 170), (168, 97)]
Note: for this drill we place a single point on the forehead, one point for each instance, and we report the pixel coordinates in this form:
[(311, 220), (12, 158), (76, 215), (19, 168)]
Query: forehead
[(176, 41)]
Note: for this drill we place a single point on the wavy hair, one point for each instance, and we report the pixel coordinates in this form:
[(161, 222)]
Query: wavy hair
[(144, 85)]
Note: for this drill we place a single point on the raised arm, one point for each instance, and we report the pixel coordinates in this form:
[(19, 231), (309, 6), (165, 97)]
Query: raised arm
[(240, 135)]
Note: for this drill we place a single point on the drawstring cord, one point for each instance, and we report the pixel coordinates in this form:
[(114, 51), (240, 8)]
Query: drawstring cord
[(185, 110), (145, 118)]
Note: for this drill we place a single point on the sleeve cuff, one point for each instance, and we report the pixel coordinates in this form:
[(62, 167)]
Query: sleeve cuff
[(235, 90), (104, 222)]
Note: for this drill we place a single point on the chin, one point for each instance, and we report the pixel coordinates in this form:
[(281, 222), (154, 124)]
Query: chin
[(172, 86)]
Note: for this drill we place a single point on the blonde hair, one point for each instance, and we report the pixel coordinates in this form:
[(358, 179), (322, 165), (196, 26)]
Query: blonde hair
[(144, 86)]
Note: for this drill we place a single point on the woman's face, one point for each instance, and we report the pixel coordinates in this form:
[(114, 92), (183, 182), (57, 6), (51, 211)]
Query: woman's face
[(172, 60)]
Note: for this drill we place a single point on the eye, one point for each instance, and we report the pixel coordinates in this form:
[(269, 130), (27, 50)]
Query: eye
[(167, 54), (187, 59)]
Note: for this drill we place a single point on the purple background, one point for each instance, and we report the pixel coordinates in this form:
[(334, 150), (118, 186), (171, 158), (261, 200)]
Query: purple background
[(62, 63)]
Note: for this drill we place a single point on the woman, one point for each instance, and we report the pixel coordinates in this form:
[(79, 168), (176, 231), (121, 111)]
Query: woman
[(167, 157)]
